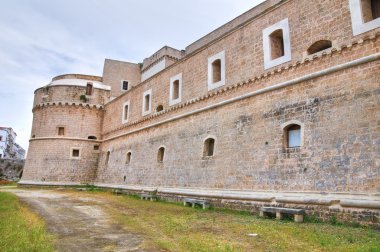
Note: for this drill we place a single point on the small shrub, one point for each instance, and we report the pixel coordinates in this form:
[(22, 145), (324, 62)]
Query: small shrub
[(83, 98), (333, 220)]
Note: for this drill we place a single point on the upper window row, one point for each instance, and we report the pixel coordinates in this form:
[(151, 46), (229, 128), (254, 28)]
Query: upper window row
[(365, 16), (175, 97)]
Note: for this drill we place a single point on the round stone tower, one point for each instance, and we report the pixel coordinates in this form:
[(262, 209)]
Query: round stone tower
[(67, 121)]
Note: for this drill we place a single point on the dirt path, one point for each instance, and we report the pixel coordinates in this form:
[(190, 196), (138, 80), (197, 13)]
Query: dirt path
[(79, 223)]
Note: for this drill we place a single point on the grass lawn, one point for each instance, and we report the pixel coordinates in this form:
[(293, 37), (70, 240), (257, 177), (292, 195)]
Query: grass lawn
[(21, 229), (172, 227)]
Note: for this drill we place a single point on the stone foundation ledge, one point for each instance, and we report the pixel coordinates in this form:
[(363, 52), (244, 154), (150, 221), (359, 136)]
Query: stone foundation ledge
[(48, 184), (335, 200), (356, 200)]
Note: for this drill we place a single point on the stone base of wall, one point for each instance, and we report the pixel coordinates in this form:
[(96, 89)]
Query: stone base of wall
[(363, 209), (11, 169)]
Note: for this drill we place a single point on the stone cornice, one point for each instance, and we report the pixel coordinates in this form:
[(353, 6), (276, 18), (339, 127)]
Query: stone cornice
[(275, 71), (64, 138), (76, 104)]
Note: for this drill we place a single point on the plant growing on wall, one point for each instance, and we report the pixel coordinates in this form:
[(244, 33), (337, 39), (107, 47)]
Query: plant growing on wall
[(83, 98)]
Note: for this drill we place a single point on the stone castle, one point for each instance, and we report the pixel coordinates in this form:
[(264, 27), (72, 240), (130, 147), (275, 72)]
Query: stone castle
[(278, 107)]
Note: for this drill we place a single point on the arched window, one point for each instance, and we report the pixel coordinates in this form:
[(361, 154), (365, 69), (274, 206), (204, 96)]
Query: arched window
[(125, 115), (293, 136), (89, 88), (128, 157), (276, 39), (216, 70), (92, 137), (108, 157), (160, 154), (147, 102), (175, 92), (319, 46), (208, 149), (175, 89), (159, 108)]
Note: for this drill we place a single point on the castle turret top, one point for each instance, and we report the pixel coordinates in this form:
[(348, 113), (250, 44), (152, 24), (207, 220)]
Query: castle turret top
[(78, 76), (80, 80)]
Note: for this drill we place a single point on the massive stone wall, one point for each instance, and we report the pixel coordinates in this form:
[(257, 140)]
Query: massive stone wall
[(339, 114), (50, 156), (50, 160)]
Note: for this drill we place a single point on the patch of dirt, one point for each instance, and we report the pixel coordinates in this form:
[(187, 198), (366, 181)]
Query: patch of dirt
[(79, 223)]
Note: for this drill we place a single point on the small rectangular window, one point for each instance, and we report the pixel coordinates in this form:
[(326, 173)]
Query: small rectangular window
[(89, 88), (125, 85), (75, 153), (61, 131), (96, 147)]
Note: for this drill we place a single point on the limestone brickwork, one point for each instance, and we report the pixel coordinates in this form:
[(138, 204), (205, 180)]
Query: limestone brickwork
[(332, 95)]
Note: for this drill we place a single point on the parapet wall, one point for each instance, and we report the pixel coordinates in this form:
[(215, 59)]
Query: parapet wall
[(165, 51), (70, 94), (241, 20), (78, 76)]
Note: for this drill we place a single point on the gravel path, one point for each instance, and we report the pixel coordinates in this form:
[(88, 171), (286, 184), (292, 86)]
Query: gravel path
[(78, 223)]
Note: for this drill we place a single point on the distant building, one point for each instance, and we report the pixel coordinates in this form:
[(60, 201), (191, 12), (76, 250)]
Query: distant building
[(8, 146)]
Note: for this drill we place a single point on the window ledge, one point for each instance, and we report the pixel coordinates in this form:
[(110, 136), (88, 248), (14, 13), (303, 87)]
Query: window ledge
[(292, 149)]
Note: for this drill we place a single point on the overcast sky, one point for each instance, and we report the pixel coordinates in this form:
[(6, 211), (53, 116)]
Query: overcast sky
[(40, 39)]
